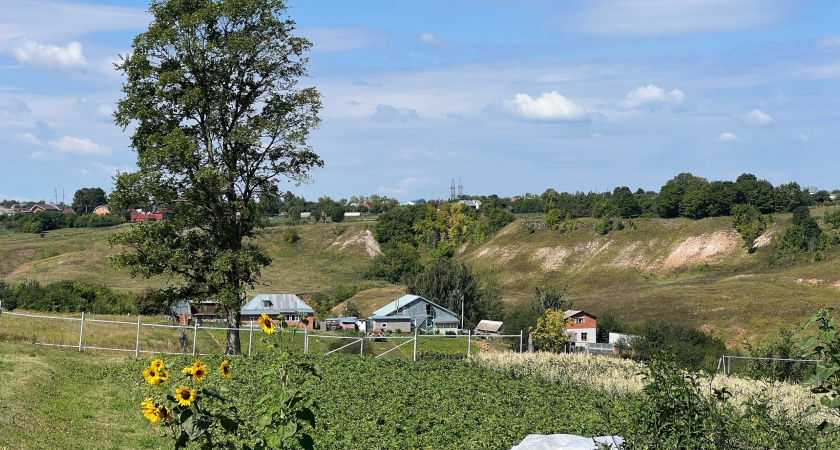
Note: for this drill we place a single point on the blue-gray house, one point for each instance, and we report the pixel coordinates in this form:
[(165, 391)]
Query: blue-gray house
[(412, 311)]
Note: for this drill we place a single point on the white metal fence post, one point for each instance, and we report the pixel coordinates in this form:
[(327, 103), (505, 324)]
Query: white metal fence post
[(362, 347), (520, 341), (195, 335), (305, 340), (82, 331), (250, 336), (415, 343), (469, 343), (137, 344)]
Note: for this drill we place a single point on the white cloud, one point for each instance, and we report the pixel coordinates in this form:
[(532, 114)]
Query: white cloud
[(641, 18), (388, 113), (47, 56), (758, 117), (727, 136), (803, 137), (29, 138), (84, 172), (430, 38), (69, 144), (13, 107), (550, 106), (38, 155), (109, 169), (653, 96), (13, 197)]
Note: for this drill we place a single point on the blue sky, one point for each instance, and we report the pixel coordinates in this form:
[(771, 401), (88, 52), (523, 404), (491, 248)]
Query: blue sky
[(510, 97)]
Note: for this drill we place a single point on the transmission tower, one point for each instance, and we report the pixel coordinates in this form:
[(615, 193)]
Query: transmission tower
[(452, 190), (460, 188)]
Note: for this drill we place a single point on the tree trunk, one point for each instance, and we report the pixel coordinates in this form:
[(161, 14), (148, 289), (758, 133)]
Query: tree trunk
[(233, 345)]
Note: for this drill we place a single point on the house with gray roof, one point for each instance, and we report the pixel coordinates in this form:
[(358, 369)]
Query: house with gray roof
[(412, 311), (284, 309)]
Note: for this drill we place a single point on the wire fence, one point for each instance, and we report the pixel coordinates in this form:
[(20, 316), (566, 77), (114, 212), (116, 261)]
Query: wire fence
[(781, 369), (144, 335)]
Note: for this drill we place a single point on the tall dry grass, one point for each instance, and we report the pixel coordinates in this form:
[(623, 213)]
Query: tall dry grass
[(620, 377)]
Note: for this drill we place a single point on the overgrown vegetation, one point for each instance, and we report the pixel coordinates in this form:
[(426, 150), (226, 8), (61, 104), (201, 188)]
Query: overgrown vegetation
[(48, 220), (67, 296)]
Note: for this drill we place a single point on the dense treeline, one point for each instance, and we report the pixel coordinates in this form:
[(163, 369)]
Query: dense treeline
[(67, 296), (47, 220)]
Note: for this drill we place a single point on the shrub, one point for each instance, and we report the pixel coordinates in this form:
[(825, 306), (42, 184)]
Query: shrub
[(290, 235)]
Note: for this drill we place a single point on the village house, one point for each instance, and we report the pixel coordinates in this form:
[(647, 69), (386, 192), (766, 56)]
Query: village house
[(42, 207), (285, 309), (101, 210), (581, 330), (412, 311)]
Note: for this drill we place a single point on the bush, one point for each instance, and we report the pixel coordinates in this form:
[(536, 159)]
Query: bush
[(290, 235)]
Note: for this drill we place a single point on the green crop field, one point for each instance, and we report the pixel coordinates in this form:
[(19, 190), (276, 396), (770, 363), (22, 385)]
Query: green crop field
[(62, 398)]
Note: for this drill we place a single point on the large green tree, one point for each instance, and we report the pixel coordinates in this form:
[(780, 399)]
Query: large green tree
[(85, 200), (211, 91)]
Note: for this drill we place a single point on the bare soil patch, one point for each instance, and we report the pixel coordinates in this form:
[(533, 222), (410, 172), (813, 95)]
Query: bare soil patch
[(703, 248), (364, 238)]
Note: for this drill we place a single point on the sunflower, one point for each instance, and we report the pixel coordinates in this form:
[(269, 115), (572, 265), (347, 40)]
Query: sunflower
[(155, 412), (225, 368), (266, 323), (147, 406), (152, 376), (163, 375), (198, 371), (184, 395), (157, 364)]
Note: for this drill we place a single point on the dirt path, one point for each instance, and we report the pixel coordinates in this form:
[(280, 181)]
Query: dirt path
[(484, 346)]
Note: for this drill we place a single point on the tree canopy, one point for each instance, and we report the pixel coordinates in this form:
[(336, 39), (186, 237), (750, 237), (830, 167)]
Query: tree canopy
[(211, 88), (85, 200)]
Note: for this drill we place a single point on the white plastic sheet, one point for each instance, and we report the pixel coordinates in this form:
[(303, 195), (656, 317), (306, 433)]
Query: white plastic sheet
[(565, 442)]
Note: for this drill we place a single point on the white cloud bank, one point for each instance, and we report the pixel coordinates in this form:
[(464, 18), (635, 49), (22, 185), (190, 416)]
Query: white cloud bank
[(550, 106), (727, 136), (47, 56), (758, 117), (653, 96), (69, 144)]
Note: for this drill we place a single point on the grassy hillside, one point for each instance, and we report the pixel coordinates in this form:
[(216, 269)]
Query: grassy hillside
[(326, 255), (695, 273)]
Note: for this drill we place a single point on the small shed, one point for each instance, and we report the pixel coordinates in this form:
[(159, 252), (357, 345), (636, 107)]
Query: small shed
[(489, 327)]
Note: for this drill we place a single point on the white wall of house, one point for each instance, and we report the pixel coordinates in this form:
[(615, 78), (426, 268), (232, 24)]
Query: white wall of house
[(577, 335)]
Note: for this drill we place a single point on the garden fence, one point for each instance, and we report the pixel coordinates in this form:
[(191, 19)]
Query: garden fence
[(90, 333)]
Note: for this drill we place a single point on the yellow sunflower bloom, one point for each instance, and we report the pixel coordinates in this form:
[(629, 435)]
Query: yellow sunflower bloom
[(266, 323), (184, 395), (152, 376), (199, 371), (187, 370), (163, 375), (225, 368), (157, 364), (147, 406)]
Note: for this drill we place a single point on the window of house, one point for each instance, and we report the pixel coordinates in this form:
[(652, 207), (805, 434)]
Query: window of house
[(266, 303), (583, 336), (579, 319), (430, 310), (384, 326), (292, 318)]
